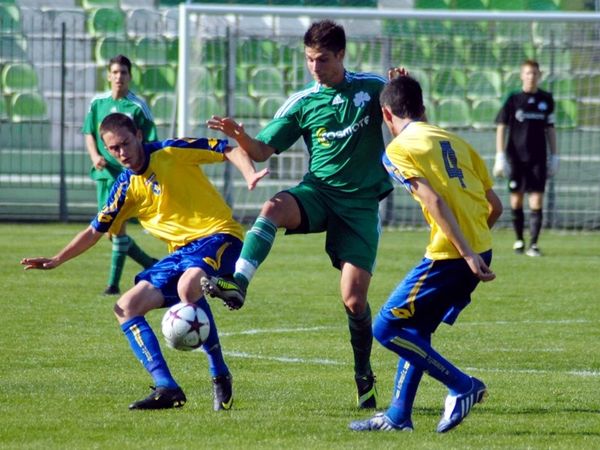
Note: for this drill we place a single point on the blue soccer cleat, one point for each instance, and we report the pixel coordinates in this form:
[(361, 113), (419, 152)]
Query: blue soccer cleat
[(380, 422), (458, 406)]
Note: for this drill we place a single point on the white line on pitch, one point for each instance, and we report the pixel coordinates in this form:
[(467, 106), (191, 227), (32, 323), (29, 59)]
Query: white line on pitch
[(275, 330), (284, 359)]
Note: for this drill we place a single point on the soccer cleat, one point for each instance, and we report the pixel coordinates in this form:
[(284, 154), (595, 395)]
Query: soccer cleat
[(222, 392), (457, 407), (111, 290), (519, 247), (161, 398), (224, 288), (533, 251), (380, 422), (367, 392)]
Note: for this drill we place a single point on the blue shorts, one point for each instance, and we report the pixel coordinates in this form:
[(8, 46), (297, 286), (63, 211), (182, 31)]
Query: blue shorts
[(216, 255), (431, 293)]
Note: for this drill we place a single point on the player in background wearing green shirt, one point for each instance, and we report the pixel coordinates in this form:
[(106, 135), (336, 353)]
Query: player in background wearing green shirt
[(339, 118), (105, 169)]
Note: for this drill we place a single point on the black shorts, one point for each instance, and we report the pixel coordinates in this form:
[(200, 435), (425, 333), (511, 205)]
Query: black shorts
[(527, 176)]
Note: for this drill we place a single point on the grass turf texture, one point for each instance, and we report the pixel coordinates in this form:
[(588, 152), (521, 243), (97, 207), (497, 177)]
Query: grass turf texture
[(67, 373)]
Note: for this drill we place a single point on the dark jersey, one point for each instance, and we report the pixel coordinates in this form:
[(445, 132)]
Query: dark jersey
[(527, 115)]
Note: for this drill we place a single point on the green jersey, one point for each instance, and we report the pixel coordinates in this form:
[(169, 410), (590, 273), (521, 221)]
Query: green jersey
[(341, 127), (101, 106)]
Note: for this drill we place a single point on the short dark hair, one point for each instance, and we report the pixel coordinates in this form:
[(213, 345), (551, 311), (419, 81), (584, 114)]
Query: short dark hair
[(116, 121), (122, 60), (327, 35), (403, 95), (531, 63)]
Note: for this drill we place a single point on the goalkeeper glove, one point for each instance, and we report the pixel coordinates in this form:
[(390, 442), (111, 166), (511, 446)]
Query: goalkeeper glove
[(553, 163), (500, 169)]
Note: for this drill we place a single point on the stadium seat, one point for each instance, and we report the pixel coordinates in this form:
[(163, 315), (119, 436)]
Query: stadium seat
[(202, 79), (150, 51), (13, 47), (551, 33), (511, 82), (466, 29), (411, 52), (173, 51), (482, 54), (512, 54), (257, 51), (10, 19), (203, 107), (28, 107), (431, 4), (73, 19), (241, 80), (448, 83), (541, 5), (163, 108), (93, 4), (553, 57), (565, 112), (430, 111), (470, 4), (19, 77), (561, 84), (158, 79), (400, 28), (453, 113), (106, 22), (245, 107), (422, 76), (3, 109), (484, 84), (110, 46), (268, 105), (144, 22), (432, 28), (213, 52), (512, 31), (447, 53), (589, 88), (484, 112), (265, 81), (508, 5), (295, 79), (588, 115)]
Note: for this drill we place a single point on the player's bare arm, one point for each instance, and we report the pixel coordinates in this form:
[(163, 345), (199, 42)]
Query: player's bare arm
[(241, 160), (495, 207), (80, 243), (258, 151), (443, 216)]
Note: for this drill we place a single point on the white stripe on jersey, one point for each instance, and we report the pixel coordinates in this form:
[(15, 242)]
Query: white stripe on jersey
[(364, 76), (141, 103), (295, 98)]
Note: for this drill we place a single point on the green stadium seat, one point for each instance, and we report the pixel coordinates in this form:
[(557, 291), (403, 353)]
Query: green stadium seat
[(173, 51), (19, 77), (144, 22), (163, 108), (258, 51), (512, 54), (28, 107), (447, 53), (484, 112), (411, 53), (470, 4), (541, 5), (429, 111), (106, 22), (508, 5), (93, 4), (358, 3), (432, 28), (3, 109), (265, 81), (588, 115), (295, 79), (203, 107), (448, 83), (213, 52), (10, 19), (466, 29), (552, 33), (589, 87), (512, 31), (400, 28), (13, 47), (241, 80), (432, 4), (110, 46), (484, 84), (150, 51), (511, 82), (202, 80), (158, 79), (555, 58), (422, 76), (482, 54), (565, 112), (245, 107), (268, 106), (561, 84), (453, 113)]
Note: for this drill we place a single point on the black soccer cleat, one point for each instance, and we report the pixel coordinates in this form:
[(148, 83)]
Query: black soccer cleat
[(222, 392), (111, 290), (161, 398), (366, 398), (224, 288)]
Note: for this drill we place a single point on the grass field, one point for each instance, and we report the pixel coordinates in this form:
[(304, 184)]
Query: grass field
[(67, 373)]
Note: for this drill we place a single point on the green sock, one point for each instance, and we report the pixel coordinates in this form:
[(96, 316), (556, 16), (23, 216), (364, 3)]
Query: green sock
[(120, 245), (139, 255), (361, 338), (257, 245)]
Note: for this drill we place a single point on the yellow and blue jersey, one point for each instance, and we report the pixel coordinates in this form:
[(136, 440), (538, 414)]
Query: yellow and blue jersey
[(455, 171), (171, 196)]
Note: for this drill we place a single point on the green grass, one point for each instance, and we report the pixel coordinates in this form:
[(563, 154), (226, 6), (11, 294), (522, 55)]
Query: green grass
[(67, 374)]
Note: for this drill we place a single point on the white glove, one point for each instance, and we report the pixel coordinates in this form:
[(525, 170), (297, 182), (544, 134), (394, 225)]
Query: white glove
[(553, 163), (500, 169)]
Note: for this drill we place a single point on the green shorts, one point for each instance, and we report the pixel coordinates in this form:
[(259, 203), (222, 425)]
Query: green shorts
[(103, 188), (352, 224)]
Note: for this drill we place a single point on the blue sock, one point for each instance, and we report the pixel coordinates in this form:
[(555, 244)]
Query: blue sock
[(145, 346), (408, 344), (406, 384), (212, 346)]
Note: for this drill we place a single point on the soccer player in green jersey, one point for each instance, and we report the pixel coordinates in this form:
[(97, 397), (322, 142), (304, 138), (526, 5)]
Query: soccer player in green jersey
[(105, 168), (339, 118)]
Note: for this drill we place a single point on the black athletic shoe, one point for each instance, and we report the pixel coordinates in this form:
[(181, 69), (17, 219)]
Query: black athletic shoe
[(367, 393), (161, 398), (224, 288), (111, 290), (222, 392)]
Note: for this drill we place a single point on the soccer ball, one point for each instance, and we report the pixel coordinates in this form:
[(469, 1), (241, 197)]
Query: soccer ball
[(185, 326)]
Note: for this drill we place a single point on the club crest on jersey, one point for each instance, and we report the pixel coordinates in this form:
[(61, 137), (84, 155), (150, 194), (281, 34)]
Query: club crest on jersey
[(337, 100), (542, 106), (154, 185), (361, 98)]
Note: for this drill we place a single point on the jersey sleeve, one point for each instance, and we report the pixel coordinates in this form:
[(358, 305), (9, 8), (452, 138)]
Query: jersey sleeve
[(282, 132), (194, 150), (118, 207), (89, 122), (400, 165), (481, 169), (145, 123), (503, 114)]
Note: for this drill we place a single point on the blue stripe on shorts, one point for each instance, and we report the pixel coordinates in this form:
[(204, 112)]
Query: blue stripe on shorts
[(215, 255)]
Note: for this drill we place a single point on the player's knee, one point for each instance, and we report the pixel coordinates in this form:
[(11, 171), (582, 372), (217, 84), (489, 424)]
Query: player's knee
[(188, 287)]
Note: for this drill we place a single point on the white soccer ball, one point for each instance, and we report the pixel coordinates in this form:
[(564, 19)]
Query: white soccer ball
[(185, 326)]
